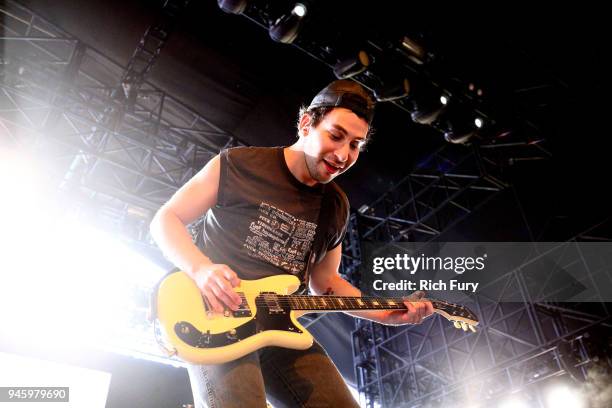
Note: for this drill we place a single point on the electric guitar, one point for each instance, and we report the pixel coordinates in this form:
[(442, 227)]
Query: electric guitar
[(267, 317)]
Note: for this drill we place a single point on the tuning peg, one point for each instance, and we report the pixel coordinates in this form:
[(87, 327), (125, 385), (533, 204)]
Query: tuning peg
[(472, 328), (457, 324), (464, 326)]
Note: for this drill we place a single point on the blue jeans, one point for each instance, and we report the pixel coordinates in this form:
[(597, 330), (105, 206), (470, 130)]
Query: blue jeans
[(288, 378)]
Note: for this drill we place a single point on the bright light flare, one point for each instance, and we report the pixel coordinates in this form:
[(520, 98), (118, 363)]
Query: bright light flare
[(563, 396), (513, 402), (299, 10), (60, 277), (87, 388)]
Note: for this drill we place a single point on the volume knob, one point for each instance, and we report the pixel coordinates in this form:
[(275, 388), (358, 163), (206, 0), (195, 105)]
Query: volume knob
[(231, 334)]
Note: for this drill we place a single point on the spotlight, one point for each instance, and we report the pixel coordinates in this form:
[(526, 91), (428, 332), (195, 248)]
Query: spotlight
[(478, 123), (413, 50), (352, 66), (457, 125), (363, 209), (232, 6), (562, 395), (458, 137), (299, 9), (393, 92), (426, 115), (426, 102), (287, 27), (425, 109)]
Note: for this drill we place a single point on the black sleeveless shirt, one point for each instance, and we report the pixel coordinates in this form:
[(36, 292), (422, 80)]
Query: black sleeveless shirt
[(265, 220)]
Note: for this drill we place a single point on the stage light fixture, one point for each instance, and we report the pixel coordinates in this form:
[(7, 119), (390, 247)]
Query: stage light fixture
[(458, 124), (458, 137), (232, 6), (350, 67), (287, 27), (363, 209), (426, 110), (414, 51), (479, 123), (299, 9), (425, 102), (393, 92)]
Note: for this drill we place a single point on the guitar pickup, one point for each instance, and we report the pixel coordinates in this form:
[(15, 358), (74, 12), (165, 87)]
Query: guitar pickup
[(272, 303), (243, 310), (242, 313)]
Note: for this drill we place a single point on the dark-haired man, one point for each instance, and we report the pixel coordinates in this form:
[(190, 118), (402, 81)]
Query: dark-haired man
[(272, 211)]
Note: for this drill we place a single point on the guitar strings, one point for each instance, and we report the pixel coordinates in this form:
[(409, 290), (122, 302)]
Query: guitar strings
[(363, 298)]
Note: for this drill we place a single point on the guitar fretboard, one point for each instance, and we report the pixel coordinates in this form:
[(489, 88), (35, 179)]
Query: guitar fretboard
[(330, 302)]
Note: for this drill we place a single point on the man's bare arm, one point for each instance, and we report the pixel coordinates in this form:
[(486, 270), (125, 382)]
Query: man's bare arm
[(169, 230), (325, 277)]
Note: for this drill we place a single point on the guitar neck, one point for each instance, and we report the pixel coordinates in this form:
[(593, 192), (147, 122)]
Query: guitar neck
[(328, 303)]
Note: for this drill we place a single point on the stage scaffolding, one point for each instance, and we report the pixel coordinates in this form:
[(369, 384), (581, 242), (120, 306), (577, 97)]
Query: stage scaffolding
[(517, 345), (117, 147), (117, 144)]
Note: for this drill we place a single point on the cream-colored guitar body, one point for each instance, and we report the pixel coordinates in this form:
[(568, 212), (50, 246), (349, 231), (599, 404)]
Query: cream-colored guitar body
[(212, 338)]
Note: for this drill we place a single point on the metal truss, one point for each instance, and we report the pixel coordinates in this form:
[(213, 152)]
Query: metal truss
[(444, 189), (116, 146), (518, 344), (119, 154), (148, 49)]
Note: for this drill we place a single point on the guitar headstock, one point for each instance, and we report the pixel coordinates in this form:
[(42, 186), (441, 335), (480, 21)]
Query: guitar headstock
[(461, 316)]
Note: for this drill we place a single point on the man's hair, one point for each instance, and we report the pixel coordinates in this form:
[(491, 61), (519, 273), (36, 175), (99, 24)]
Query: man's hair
[(317, 115)]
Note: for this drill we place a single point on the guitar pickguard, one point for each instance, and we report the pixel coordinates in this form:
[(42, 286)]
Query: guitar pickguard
[(196, 338), (265, 319)]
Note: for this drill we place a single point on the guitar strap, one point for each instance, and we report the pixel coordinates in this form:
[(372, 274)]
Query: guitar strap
[(320, 240)]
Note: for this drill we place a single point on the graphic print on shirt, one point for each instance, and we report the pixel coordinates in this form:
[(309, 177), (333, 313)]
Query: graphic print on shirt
[(280, 238)]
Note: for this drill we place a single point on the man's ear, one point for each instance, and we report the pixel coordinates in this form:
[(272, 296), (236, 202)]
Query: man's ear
[(304, 125)]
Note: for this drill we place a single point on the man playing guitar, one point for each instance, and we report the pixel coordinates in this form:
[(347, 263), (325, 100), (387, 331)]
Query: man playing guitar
[(271, 211)]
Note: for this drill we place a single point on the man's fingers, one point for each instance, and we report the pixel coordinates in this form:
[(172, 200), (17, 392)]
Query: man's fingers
[(418, 311), (411, 316), (228, 291), (426, 308), (419, 294), (217, 285), (231, 276), (212, 300), (423, 307), (223, 297), (430, 309)]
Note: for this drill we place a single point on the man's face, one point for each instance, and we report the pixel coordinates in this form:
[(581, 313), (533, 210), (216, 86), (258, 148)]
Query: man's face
[(332, 147)]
